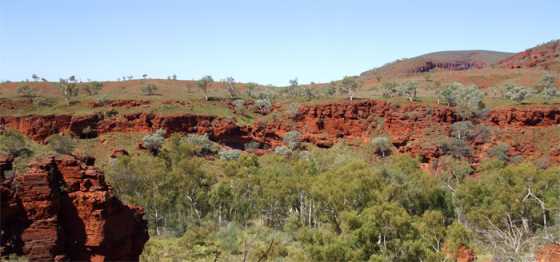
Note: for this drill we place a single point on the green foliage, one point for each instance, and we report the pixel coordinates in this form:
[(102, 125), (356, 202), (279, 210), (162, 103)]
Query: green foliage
[(69, 89), (515, 93), (149, 89), (516, 200), (389, 89), (153, 142), (467, 99), (381, 146), (230, 154), (25, 91), (14, 144), (229, 84), (408, 90), (292, 139), (202, 145), (263, 106), (61, 144), (239, 106), (348, 86), (204, 83), (93, 88), (500, 152), (250, 89), (325, 205), (547, 87)]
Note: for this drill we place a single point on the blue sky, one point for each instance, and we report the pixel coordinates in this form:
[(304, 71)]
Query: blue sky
[(268, 42)]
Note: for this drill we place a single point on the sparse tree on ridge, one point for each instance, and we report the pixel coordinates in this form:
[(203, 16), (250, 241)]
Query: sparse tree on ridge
[(145, 76), (203, 84), (69, 89), (293, 87), (547, 87), (35, 77), (251, 89), (229, 84), (149, 89), (348, 86)]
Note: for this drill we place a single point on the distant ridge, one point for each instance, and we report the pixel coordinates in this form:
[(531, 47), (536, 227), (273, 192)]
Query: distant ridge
[(444, 60), (545, 56)]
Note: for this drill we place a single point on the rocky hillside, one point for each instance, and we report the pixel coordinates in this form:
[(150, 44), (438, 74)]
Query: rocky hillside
[(446, 60), (545, 56)]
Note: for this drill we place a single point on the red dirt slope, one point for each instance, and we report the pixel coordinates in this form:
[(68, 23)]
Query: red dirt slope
[(545, 56)]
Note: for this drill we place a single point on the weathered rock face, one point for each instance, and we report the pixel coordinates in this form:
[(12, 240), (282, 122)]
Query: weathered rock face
[(324, 124), (62, 209)]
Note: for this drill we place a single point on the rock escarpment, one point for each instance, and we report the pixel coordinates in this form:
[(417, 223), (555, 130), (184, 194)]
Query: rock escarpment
[(61, 209), (409, 126)]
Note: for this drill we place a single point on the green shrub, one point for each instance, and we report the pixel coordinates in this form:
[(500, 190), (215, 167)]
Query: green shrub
[(61, 144), (14, 144), (230, 154), (25, 91), (263, 106), (381, 146), (149, 89), (293, 140), (153, 142)]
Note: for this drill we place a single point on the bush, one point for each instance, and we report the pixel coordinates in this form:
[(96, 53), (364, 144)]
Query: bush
[(282, 150), (239, 106), (203, 145), (14, 144), (154, 141), (43, 101), (230, 154), (61, 144), (149, 89), (515, 93), (547, 87), (389, 89), (348, 86), (292, 139), (92, 88), (264, 106), (463, 130), (381, 146), (456, 148), (408, 90), (500, 152), (468, 100), (253, 145), (25, 91)]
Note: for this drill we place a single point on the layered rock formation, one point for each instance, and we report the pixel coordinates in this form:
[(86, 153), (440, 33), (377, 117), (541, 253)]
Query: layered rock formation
[(61, 209), (408, 125)]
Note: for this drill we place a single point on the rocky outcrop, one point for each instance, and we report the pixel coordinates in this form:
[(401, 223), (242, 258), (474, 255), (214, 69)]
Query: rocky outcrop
[(448, 66), (524, 117), (408, 125), (545, 56), (62, 209)]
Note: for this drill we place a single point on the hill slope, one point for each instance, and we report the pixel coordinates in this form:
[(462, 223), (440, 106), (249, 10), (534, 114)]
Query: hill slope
[(545, 56), (445, 60)]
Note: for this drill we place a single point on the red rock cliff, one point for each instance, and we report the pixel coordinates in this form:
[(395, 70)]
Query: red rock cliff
[(62, 209)]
